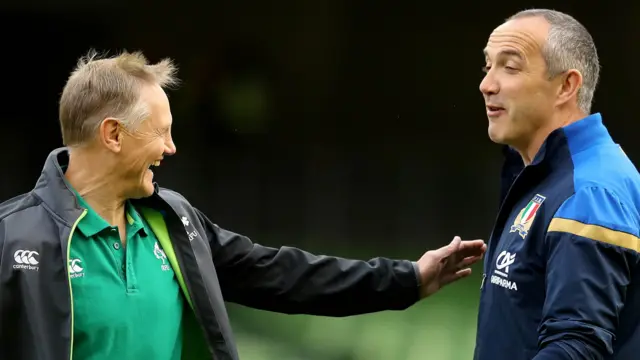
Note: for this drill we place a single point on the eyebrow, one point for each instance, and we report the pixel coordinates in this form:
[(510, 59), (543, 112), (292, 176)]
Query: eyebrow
[(506, 52)]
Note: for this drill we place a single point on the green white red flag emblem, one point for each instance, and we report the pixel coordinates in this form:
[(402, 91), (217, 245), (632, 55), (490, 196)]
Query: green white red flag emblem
[(523, 221)]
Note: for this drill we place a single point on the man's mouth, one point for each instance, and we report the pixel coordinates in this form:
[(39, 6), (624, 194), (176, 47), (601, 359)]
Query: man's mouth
[(493, 110), (154, 164)]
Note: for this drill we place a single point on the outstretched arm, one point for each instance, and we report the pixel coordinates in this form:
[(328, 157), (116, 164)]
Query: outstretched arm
[(293, 281)]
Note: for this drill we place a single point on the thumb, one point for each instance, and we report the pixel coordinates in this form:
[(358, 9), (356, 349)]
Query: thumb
[(446, 251)]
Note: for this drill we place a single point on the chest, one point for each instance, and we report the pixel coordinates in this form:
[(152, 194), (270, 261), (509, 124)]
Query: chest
[(517, 251), (116, 288), (515, 263)]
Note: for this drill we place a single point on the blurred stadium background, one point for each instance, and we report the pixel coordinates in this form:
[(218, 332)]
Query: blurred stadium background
[(352, 128)]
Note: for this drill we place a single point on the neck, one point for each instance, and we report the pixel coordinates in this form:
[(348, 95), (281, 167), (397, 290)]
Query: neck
[(94, 180), (529, 150)]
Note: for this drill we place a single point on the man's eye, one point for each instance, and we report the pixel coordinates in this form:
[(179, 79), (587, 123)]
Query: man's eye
[(486, 68)]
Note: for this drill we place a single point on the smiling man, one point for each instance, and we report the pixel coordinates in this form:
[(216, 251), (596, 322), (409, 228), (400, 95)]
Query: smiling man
[(561, 270), (97, 262)]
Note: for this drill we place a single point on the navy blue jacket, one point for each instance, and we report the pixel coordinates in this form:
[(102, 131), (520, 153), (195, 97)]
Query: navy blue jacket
[(561, 274)]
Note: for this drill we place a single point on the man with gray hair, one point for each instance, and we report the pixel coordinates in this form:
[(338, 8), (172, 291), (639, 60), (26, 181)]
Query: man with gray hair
[(98, 262), (561, 270)]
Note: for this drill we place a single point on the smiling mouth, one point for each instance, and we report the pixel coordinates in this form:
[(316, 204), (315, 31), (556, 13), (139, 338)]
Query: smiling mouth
[(154, 164)]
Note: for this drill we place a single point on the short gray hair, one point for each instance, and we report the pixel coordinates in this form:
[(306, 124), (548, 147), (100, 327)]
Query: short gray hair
[(101, 87), (569, 46)]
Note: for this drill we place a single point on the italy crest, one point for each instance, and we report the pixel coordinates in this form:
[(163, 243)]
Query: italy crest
[(525, 218)]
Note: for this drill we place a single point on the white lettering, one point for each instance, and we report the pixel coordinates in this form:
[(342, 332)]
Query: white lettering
[(507, 284), (26, 267)]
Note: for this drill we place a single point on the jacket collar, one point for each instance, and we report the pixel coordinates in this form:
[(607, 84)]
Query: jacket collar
[(556, 151), (55, 192), (567, 140)]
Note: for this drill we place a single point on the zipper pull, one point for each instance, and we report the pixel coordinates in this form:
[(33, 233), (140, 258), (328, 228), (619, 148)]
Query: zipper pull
[(484, 276)]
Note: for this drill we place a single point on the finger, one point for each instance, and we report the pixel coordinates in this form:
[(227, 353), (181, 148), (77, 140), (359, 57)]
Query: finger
[(472, 244), (472, 248), (452, 267), (447, 250), (470, 260), (461, 254), (448, 279)]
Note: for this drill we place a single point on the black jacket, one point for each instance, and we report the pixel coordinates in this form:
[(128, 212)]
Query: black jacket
[(213, 265)]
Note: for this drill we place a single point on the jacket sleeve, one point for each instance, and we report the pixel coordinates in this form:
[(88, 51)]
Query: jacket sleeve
[(591, 247), (292, 281)]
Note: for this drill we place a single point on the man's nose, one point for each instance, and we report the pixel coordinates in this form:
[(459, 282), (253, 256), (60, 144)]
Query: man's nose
[(170, 147), (488, 85)]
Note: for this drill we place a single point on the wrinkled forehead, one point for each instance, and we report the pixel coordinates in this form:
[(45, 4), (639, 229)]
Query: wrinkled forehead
[(519, 37)]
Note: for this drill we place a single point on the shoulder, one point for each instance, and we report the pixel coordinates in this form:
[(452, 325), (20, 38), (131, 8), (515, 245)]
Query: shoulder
[(14, 207), (599, 205), (185, 210), (608, 168), (606, 190), (25, 219), (180, 205), (172, 196), (599, 213)]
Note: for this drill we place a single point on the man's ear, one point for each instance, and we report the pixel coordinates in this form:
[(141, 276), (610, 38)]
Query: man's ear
[(110, 134), (570, 83)]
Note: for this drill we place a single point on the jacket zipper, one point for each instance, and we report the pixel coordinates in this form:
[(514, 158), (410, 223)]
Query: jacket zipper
[(492, 242), (73, 229)]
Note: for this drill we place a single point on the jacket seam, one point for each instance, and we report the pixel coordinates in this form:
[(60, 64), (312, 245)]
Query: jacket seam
[(50, 211), (5, 216)]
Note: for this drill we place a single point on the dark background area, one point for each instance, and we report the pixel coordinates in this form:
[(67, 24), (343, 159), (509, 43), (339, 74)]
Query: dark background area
[(351, 128)]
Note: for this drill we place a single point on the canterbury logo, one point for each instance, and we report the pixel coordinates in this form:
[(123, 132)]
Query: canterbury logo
[(26, 257), (74, 266)]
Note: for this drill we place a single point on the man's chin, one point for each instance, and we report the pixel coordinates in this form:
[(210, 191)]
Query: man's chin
[(148, 191), (145, 191), (496, 136)]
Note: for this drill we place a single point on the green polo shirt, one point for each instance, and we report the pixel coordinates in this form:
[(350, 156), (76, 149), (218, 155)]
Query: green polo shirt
[(127, 302)]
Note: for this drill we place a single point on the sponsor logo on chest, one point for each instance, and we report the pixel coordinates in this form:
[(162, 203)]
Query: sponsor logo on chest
[(500, 274), (26, 260)]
